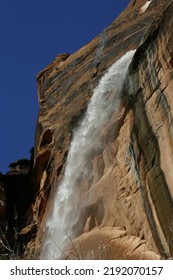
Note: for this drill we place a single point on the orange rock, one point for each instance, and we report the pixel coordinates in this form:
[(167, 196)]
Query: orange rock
[(127, 205)]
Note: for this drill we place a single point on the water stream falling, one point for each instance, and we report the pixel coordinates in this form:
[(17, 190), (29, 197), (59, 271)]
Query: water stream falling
[(63, 223)]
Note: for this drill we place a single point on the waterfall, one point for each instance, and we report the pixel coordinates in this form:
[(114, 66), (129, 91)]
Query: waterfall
[(63, 223)]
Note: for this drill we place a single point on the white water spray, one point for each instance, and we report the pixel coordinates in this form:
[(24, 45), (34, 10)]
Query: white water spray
[(63, 223)]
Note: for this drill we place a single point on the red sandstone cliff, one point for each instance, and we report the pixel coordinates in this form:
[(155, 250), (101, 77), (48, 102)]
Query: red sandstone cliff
[(128, 204)]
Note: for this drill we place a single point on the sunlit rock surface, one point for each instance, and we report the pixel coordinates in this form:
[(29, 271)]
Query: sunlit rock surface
[(129, 197), (127, 204)]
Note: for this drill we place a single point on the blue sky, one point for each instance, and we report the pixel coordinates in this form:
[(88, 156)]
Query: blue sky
[(32, 33)]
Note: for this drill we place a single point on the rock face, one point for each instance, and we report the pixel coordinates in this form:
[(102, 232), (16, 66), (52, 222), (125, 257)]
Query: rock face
[(128, 205), (127, 208)]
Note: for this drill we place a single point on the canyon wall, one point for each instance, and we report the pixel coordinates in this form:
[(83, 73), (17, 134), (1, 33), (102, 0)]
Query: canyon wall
[(126, 205)]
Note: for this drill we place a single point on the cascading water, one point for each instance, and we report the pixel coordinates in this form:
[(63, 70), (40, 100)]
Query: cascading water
[(63, 222)]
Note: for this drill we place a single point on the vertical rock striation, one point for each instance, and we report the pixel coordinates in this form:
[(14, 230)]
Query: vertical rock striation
[(126, 209), (150, 82), (87, 142), (126, 204)]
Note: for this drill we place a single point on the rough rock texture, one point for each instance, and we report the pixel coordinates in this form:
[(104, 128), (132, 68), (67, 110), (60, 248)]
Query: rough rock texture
[(150, 81), (110, 243), (127, 205)]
